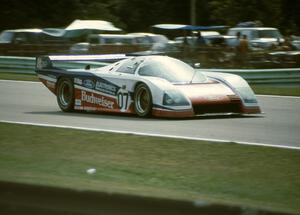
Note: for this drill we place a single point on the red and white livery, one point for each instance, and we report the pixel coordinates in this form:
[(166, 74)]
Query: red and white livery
[(146, 85)]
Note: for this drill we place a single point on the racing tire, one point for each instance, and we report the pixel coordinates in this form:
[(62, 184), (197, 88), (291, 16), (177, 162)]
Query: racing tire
[(142, 100), (65, 94)]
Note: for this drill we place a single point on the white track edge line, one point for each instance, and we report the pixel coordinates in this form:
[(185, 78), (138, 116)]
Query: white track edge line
[(276, 96), (149, 134), (17, 81)]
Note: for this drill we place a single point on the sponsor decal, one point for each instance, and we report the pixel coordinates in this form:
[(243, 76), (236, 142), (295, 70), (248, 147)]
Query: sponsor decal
[(214, 98), (88, 83), (77, 102), (106, 88), (78, 81), (101, 101), (123, 98)]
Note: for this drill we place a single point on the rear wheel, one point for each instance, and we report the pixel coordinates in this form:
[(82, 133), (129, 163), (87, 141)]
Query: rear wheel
[(65, 94), (143, 100)]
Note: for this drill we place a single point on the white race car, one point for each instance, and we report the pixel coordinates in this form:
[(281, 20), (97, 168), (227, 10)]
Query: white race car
[(146, 85)]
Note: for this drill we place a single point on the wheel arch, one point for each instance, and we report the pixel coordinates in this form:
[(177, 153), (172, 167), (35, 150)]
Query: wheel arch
[(137, 103), (57, 81), (59, 77), (138, 83), (156, 86), (66, 106)]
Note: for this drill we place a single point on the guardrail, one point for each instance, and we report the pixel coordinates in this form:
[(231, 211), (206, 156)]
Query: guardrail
[(10, 64), (26, 65), (264, 76), (17, 64)]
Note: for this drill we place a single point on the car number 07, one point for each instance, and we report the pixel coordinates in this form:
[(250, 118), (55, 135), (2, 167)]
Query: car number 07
[(123, 98)]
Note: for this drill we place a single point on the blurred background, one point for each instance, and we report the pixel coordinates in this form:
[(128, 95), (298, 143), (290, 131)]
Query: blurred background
[(197, 31), (138, 15)]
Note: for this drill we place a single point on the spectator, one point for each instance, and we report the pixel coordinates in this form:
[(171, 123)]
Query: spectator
[(242, 49), (236, 42), (199, 40), (243, 45), (286, 45), (185, 45)]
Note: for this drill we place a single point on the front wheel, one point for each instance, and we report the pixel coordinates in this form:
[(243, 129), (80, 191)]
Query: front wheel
[(142, 100), (65, 94)]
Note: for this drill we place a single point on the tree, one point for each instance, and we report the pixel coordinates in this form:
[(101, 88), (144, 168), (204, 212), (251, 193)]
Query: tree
[(138, 15), (36, 13), (291, 19), (232, 12)]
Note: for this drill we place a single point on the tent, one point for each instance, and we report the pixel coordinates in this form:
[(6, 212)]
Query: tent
[(80, 28)]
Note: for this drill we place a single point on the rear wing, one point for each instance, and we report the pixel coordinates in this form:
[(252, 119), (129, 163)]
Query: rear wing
[(47, 62)]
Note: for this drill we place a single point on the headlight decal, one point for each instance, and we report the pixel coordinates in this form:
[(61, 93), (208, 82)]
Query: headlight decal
[(174, 98)]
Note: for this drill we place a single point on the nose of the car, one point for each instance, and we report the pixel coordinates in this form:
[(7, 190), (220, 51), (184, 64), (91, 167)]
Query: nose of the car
[(207, 92)]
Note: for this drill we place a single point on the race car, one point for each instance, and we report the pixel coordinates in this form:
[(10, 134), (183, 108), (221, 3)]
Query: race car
[(160, 86)]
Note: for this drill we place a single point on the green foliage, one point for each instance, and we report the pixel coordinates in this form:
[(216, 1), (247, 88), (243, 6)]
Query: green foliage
[(282, 90), (138, 15), (232, 12)]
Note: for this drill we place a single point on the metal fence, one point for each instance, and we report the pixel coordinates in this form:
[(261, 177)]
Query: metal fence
[(265, 76), (9, 64), (26, 65)]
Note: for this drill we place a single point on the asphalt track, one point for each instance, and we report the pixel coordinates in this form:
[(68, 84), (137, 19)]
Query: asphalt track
[(31, 102)]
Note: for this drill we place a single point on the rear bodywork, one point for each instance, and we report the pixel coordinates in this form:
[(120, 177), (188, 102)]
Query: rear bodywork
[(106, 89)]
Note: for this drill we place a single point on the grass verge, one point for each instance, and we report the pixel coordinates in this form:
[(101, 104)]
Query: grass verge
[(293, 90), (18, 76), (261, 177)]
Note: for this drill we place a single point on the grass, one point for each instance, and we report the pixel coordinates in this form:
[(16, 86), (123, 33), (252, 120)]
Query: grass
[(293, 90), (18, 76), (261, 177), (258, 89)]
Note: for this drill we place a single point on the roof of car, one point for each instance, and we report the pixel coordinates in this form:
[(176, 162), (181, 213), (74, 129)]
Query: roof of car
[(188, 27), (116, 35), (253, 28), (142, 34), (32, 30)]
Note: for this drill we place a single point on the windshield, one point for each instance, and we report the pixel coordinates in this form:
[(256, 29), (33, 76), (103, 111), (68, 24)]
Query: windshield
[(268, 34), (159, 39), (173, 70), (6, 37), (118, 40)]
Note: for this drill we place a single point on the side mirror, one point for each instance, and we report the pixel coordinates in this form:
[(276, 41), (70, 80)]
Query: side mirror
[(197, 65)]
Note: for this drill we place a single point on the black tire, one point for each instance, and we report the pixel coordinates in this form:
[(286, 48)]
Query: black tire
[(142, 100), (65, 94)]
